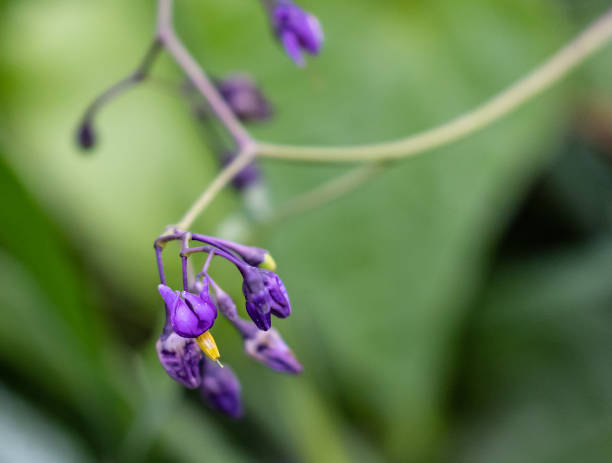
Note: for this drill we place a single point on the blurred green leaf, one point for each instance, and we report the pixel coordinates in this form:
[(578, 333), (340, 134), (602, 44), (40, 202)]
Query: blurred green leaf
[(380, 280), (537, 377), (25, 435)]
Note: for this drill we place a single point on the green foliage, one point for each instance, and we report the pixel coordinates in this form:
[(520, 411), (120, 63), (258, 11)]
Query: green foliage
[(383, 282)]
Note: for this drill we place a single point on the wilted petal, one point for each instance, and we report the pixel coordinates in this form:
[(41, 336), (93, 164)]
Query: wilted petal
[(181, 358), (269, 348)]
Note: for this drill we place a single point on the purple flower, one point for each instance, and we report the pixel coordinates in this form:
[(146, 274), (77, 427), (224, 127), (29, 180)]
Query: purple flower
[(297, 30), (181, 358), (265, 295), (190, 315), (221, 389), (244, 98), (86, 136), (269, 348)]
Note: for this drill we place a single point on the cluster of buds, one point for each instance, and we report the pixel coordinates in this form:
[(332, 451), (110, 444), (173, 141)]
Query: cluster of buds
[(186, 348)]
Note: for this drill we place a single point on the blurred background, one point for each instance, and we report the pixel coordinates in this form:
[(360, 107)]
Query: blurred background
[(456, 308)]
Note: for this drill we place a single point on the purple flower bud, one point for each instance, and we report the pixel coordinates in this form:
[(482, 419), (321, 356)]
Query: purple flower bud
[(269, 348), (265, 295), (244, 98), (221, 389), (297, 30), (279, 299), (226, 304), (247, 177), (256, 298), (181, 358), (190, 315), (86, 136)]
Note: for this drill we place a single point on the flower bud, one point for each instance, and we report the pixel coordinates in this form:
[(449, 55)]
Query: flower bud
[(265, 295), (269, 348), (244, 98), (279, 299), (297, 30), (86, 136), (190, 315), (181, 358), (226, 304), (221, 389), (256, 298)]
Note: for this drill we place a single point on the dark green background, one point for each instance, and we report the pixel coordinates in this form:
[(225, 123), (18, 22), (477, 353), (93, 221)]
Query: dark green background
[(456, 308)]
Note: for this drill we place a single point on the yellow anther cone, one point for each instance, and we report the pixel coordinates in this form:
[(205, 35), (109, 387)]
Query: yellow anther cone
[(209, 346)]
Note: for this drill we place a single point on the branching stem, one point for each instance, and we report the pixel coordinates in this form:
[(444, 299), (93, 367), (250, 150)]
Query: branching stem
[(593, 38)]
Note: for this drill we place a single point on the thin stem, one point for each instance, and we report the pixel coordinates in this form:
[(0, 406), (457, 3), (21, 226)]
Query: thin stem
[(220, 181), (137, 76), (198, 77), (208, 261), (164, 16), (219, 252), (184, 257), (325, 193), (185, 276), (593, 38), (160, 264)]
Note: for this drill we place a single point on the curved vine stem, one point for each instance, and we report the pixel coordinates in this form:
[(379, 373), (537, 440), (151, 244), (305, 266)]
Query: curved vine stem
[(554, 69), (590, 40)]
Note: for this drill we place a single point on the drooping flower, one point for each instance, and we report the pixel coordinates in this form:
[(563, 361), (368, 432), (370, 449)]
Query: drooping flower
[(181, 358), (269, 348), (256, 297), (190, 315), (221, 389), (265, 295), (279, 299), (297, 30)]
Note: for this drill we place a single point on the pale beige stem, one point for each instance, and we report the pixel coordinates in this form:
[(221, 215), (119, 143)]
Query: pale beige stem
[(225, 176), (590, 40)]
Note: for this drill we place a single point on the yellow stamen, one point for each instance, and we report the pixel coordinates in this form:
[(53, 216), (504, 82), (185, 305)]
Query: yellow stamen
[(268, 263), (209, 346)]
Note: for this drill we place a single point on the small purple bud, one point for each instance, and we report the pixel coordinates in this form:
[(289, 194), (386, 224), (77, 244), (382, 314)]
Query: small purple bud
[(279, 299), (257, 298), (297, 30), (269, 348), (265, 294), (244, 98), (226, 304), (247, 177), (181, 358), (190, 315), (86, 136), (221, 389)]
